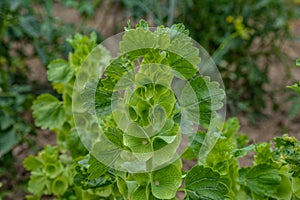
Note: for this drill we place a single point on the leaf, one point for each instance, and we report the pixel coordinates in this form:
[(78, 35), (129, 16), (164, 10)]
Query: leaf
[(142, 192), (263, 180), (284, 191), (194, 147), (103, 101), (204, 183), (141, 147), (115, 135), (183, 56), (105, 152), (142, 178), (32, 163), (136, 39), (48, 112), (231, 127), (180, 28), (142, 25), (238, 153), (264, 154), (83, 46), (59, 185), (59, 71), (166, 181), (52, 169), (8, 139), (38, 184), (288, 149), (200, 98), (74, 144), (30, 25), (296, 187), (96, 168), (122, 186)]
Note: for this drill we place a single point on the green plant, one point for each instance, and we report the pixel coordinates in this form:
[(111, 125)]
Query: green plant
[(50, 172), (14, 99), (23, 27), (50, 112), (121, 162), (30, 36)]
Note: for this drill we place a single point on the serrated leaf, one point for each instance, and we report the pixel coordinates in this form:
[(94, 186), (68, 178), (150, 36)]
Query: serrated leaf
[(59, 71), (263, 180), (115, 135), (264, 154), (105, 151), (38, 184), (231, 127), (183, 55), (180, 28), (75, 145), (142, 25), (103, 101), (204, 183), (163, 38), (238, 153), (288, 149), (137, 39), (48, 112), (200, 99), (32, 163), (166, 181), (96, 168)]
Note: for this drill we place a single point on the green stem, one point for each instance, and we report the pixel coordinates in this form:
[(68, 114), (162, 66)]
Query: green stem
[(221, 50)]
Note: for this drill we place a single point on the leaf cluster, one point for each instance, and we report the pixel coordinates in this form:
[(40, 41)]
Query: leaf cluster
[(151, 123)]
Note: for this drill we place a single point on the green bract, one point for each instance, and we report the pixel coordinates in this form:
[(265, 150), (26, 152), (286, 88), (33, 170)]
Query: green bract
[(50, 172), (148, 96)]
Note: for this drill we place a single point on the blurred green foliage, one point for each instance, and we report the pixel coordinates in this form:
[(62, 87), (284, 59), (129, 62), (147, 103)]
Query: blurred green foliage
[(28, 30), (85, 8), (241, 36), (160, 12)]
